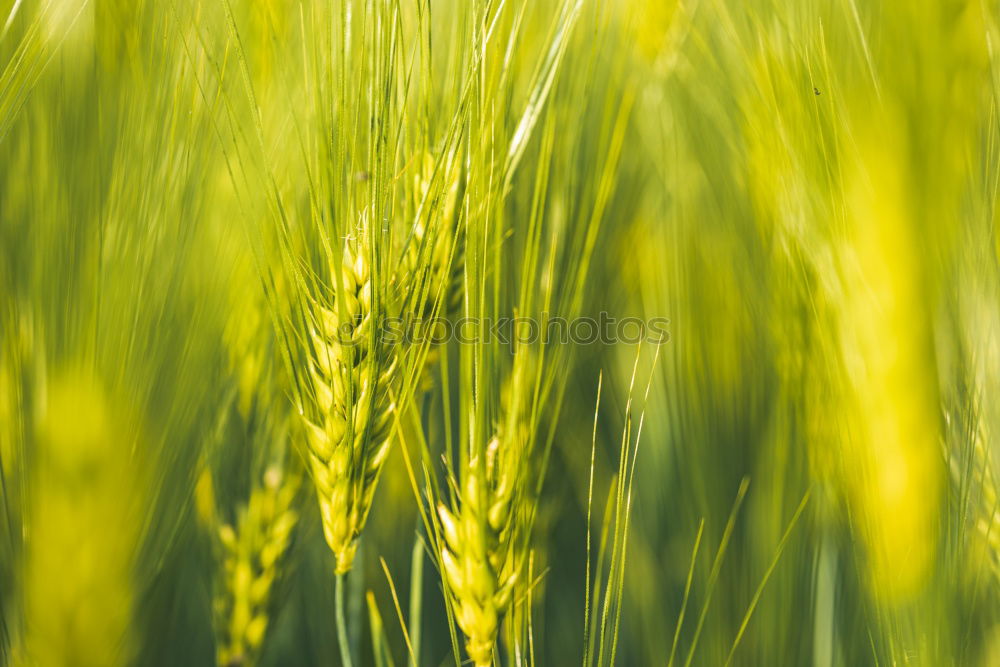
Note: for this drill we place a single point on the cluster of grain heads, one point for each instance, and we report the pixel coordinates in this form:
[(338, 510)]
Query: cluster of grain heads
[(483, 541), (84, 515), (354, 378), (251, 552)]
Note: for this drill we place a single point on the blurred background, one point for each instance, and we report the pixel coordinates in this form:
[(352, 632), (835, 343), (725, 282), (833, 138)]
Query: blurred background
[(807, 189)]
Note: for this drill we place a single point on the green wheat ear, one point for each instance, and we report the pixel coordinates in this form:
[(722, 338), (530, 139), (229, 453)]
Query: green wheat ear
[(250, 549), (432, 264), (357, 379), (354, 379), (479, 567), (251, 554), (485, 545)]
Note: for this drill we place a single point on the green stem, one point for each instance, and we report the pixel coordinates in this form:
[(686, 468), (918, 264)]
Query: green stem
[(416, 594), (345, 651)]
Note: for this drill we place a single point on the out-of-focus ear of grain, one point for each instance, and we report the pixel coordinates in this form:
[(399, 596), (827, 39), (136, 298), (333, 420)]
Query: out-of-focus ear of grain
[(892, 461), (82, 528)]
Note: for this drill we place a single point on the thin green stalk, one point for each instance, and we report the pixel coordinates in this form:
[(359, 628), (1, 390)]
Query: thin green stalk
[(345, 651), (687, 593), (399, 610), (716, 567), (590, 504), (355, 602), (379, 648), (767, 576), (416, 594)]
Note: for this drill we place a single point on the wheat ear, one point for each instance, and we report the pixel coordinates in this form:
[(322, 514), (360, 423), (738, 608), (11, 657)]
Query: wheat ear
[(485, 531), (433, 259), (354, 379), (251, 552), (357, 377)]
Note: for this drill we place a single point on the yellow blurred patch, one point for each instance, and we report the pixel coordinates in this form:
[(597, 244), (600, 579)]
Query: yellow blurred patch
[(81, 532), (886, 335)]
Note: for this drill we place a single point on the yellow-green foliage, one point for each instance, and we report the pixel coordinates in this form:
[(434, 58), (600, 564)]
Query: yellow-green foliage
[(220, 219)]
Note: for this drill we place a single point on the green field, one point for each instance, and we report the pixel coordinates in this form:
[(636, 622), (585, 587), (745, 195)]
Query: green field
[(499, 332)]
